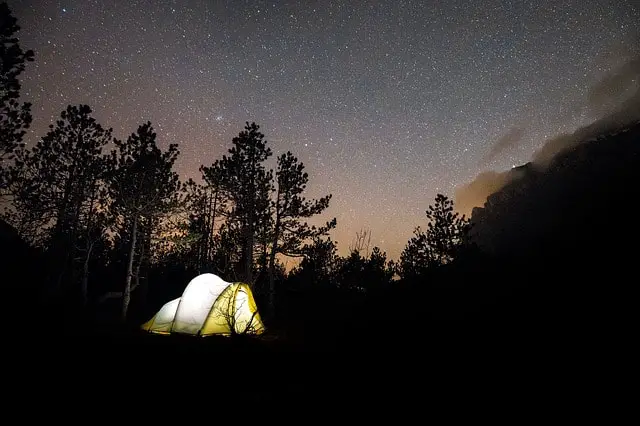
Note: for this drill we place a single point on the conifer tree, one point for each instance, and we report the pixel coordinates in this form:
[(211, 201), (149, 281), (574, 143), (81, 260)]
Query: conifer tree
[(144, 187), (290, 208), (15, 118), (58, 185), (247, 184), (445, 235)]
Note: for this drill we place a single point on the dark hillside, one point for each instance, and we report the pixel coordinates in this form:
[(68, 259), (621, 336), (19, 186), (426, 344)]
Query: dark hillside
[(568, 230)]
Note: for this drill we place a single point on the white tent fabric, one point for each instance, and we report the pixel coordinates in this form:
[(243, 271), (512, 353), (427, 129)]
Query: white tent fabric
[(209, 305), (163, 321), (196, 302)]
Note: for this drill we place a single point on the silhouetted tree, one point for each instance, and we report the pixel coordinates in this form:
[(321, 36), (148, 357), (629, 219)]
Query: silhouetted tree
[(379, 270), (290, 233), (14, 117), (265, 224), (319, 264), (350, 272), (144, 188), (227, 252), (364, 274), (446, 230), (247, 184), (361, 242), (416, 256), (446, 233), (93, 232), (206, 206), (59, 185)]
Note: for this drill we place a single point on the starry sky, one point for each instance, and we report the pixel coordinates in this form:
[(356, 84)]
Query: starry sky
[(386, 102)]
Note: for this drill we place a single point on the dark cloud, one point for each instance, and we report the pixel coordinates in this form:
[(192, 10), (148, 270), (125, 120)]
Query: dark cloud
[(504, 143), (553, 146), (616, 97), (615, 100), (475, 193), (573, 198), (569, 174), (625, 115)]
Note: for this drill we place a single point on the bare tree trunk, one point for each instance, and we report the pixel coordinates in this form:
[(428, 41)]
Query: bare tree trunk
[(264, 254), (84, 287), (248, 261), (248, 252), (126, 294), (272, 268), (203, 244), (212, 227), (60, 261), (140, 260), (272, 258)]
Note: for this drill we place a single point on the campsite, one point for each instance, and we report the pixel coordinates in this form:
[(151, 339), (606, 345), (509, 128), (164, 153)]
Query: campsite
[(317, 205)]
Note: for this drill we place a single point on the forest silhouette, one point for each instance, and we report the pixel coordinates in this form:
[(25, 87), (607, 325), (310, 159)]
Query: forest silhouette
[(98, 233)]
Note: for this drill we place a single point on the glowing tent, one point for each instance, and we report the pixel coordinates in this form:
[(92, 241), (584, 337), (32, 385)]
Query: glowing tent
[(209, 305)]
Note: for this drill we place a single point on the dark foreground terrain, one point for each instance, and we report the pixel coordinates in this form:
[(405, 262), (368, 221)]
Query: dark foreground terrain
[(467, 367)]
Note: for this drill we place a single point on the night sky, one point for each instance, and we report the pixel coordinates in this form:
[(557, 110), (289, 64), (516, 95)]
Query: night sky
[(386, 102)]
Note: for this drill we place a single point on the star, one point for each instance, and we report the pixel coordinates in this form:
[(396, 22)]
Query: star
[(421, 92)]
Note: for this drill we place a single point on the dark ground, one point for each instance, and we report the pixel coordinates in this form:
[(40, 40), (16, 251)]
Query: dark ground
[(459, 368)]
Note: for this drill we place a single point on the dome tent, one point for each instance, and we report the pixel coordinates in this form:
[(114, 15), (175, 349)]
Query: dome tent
[(209, 305)]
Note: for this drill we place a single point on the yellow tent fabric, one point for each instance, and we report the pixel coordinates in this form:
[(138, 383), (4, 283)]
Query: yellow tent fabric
[(162, 322), (209, 305)]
